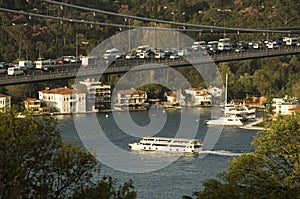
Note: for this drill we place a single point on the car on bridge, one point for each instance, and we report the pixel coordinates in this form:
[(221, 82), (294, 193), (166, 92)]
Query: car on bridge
[(130, 56), (174, 56), (69, 59), (3, 67)]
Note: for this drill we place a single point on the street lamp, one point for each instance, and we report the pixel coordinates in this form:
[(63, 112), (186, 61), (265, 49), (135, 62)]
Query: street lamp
[(129, 46), (224, 11), (76, 43), (178, 36), (19, 38)]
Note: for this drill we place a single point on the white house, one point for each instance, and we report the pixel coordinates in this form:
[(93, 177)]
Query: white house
[(98, 95), (215, 91), (172, 98), (5, 102), (129, 99), (35, 106), (284, 105), (196, 97), (64, 100)]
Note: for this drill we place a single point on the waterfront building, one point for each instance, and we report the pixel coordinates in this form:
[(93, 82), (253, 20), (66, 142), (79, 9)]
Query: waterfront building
[(215, 91), (5, 102), (196, 97), (172, 98), (129, 99), (63, 100), (35, 107), (284, 105), (98, 96)]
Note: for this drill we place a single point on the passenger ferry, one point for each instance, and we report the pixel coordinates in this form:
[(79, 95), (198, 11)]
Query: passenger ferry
[(167, 144)]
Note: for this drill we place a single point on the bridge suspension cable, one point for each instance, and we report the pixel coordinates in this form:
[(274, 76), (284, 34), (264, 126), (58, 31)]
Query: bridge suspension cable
[(30, 14), (210, 28)]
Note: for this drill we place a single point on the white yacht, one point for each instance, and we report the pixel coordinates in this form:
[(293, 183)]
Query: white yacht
[(227, 119), (238, 109), (181, 145), (231, 120)]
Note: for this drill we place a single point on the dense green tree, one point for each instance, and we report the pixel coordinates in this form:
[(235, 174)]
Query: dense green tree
[(271, 171), (36, 163), (154, 91)]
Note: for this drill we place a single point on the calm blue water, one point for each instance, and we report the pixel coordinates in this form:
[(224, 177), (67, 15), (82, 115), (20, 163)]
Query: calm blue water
[(183, 176)]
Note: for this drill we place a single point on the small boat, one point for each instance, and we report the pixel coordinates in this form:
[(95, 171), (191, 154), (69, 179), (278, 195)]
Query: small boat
[(181, 145), (231, 120)]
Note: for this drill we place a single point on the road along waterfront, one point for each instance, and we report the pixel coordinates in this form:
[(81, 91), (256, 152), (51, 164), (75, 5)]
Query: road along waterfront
[(183, 176)]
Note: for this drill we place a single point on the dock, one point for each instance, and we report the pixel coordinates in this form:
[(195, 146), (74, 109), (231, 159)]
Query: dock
[(251, 125)]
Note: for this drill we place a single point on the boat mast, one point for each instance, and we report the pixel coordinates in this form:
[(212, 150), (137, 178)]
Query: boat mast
[(226, 82), (225, 102)]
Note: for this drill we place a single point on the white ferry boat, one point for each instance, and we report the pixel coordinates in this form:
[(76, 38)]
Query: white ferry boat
[(167, 144)]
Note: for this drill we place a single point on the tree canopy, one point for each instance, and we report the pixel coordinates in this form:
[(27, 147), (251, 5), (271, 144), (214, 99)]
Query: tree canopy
[(36, 163), (271, 171)]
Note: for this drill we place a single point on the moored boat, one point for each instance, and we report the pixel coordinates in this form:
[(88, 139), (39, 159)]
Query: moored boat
[(227, 119), (182, 145), (238, 109), (231, 120)]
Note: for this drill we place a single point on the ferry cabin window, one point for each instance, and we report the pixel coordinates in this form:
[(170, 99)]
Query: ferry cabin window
[(148, 139), (160, 144), (182, 146)]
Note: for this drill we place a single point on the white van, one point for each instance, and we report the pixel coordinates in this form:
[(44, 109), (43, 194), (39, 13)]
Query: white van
[(291, 41), (112, 54), (199, 45), (224, 46), (15, 71)]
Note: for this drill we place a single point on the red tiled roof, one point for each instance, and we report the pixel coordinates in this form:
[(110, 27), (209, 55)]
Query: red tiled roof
[(2, 95), (195, 89), (297, 108), (30, 99), (61, 90), (130, 91)]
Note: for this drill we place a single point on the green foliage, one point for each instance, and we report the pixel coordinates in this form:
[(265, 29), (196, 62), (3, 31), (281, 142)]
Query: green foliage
[(271, 171), (35, 163), (80, 87), (155, 91)]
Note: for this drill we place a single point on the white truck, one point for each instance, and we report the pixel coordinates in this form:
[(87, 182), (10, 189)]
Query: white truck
[(88, 61), (224, 45), (46, 65), (26, 64)]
